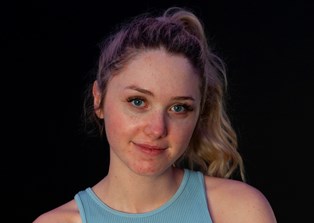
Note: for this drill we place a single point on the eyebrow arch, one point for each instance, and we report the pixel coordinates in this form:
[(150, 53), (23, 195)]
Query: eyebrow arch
[(183, 98), (144, 91), (141, 90)]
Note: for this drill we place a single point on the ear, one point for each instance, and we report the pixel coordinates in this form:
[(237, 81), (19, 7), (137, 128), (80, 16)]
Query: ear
[(97, 99)]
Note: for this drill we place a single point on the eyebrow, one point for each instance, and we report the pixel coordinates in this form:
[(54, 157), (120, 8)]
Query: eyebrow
[(147, 92), (141, 90)]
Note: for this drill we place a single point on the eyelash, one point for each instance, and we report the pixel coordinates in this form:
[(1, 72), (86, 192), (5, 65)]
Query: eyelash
[(132, 99), (186, 107)]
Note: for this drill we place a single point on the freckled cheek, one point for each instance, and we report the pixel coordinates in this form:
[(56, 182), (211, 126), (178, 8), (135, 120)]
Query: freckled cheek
[(112, 125), (119, 123)]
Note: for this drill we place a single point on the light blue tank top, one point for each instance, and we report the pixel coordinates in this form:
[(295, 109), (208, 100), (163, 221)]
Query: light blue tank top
[(188, 204)]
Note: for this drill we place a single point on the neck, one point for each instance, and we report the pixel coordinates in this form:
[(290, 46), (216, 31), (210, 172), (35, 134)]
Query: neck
[(133, 193)]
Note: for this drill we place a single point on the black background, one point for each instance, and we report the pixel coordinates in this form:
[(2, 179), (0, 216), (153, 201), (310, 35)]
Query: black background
[(50, 47)]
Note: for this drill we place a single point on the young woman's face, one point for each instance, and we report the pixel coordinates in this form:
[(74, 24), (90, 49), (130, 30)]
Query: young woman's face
[(150, 111)]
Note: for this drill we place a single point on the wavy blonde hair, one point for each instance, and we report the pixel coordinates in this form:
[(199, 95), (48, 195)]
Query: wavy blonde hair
[(213, 147)]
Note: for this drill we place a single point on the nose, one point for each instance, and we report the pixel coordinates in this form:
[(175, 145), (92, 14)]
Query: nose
[(156, 126)]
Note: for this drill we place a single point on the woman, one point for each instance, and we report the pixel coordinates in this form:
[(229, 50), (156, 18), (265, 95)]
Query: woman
[(158, 99)]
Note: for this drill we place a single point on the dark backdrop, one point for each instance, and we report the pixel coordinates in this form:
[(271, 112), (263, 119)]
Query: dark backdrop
[(50, 47)]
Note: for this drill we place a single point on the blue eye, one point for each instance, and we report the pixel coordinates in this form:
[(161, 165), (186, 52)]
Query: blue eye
[(178, 108), (181, 108), (137, 102)]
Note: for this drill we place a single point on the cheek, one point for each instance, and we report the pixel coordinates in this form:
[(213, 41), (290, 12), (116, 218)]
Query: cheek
[(111, 125), (118, 123), (183, 133), (113, 122)]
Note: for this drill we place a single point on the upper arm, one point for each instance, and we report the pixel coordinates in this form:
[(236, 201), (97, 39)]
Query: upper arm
[(67, 213), (235, 201), (45, 218)]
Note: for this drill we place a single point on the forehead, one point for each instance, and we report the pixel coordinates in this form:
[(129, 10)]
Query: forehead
[(160, 72)]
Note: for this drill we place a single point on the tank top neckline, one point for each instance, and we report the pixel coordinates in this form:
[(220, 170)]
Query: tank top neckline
[(179, 191)]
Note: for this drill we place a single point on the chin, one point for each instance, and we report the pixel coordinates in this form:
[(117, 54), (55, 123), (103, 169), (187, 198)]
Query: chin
[(150, 170)]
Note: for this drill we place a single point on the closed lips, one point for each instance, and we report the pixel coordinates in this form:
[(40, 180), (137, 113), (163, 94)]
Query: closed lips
[(152, 147)]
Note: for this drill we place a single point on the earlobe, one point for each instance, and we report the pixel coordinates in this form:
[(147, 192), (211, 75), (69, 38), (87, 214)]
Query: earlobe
[(97, 99)]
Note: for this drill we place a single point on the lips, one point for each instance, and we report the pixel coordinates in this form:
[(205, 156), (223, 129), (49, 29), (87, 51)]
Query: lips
[(150, 149)]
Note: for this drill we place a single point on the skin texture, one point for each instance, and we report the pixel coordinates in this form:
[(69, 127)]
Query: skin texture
[(150, 111), (157, 126)]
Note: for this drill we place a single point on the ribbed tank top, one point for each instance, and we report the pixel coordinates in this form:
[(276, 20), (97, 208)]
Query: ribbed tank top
[(188, 204)]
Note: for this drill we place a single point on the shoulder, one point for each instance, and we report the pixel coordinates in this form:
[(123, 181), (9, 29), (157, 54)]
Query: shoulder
[(235, 201), (66, 213)]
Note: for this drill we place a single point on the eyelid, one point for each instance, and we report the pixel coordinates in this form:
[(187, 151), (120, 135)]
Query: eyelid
[(129, 99)]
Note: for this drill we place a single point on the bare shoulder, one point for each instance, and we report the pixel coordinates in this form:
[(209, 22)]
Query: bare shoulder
[(235, 201), (66, 213)]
